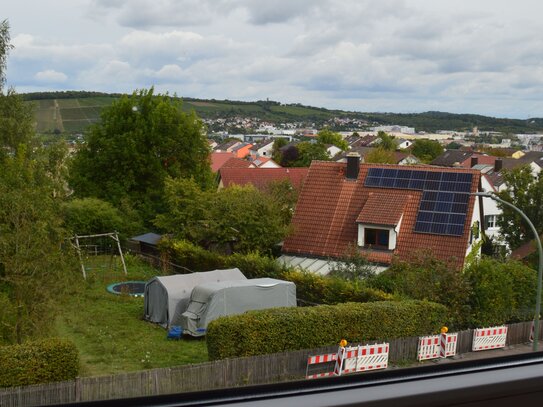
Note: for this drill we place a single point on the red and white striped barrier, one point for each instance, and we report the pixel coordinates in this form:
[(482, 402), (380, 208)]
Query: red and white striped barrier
[(437, 346), (351, 359), (315, 360), (428, 347), (448, 344), (365, 357), (489, 338)]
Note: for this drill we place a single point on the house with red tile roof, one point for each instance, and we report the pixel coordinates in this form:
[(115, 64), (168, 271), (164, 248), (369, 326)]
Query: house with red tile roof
[(261, 177), (221, 159), (385, 211)]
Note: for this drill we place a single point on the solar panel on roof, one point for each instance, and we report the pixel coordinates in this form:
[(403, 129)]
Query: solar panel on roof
[(444, 201)]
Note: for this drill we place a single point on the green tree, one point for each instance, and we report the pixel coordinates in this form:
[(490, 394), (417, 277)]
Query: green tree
[(386, 141), (33, 267), (276, 149), (240, 218), (140, 141), (352, 266), (89, 216), (307, 152), (16, 123), (380, 156), (5, 46), (426, 150), (526, 193), (326, 136)]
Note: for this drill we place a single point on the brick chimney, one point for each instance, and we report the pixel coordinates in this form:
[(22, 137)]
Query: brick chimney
[(474, 161), (498, 165), (353, 166)]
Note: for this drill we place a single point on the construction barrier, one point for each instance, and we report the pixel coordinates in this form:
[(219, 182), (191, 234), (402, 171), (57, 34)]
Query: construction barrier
[(448, 344), (489, 338), (350, 360), (320, 359), (437, 346), (363, 358), (429, 347)]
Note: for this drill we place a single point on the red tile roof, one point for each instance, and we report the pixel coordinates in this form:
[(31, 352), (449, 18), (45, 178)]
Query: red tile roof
[(379, 209), (329, 205), (261, 177), (218, 160), (236, 163)]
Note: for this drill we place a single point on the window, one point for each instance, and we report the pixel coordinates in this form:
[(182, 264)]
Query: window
[(376, 237), (491, 221)]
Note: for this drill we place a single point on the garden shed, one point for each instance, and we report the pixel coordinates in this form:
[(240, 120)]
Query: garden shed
[(167, 297), (210, 301)]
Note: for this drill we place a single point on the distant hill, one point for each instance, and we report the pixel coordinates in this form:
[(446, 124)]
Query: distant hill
[(74, 111)]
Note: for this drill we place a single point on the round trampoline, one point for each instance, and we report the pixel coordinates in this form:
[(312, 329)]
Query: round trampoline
[(132, 288)]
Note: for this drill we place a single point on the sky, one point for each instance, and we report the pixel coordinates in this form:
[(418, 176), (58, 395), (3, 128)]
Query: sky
[(477, 56)]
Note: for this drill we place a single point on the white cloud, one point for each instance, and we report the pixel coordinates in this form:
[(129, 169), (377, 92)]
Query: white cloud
[(51, 76)]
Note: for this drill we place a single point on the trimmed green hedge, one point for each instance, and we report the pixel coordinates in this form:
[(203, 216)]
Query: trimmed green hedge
[(284, 329), (310, 287), (49, 360)]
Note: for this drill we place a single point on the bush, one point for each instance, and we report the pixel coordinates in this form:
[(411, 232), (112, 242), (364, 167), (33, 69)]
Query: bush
[(49, 360), (89, 216), (191, 256), (284, 329), (318, 289), (426, 278), (500, 292)]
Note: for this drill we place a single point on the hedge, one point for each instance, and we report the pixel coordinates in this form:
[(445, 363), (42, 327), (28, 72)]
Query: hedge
[(48, 360), (310, 287), (284, 329)]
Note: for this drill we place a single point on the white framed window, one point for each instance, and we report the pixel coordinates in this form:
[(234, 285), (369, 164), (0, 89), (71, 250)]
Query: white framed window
[(491, 221)]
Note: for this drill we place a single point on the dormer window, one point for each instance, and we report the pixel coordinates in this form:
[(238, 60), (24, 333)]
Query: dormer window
[(377, 238), (380, 220)]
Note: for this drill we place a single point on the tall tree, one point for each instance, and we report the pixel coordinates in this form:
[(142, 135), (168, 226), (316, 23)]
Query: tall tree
[(526, 193), (240, 217), (326, 136), (426, 150), (5, 46), (380, 155), (386, 141), (139, 142)]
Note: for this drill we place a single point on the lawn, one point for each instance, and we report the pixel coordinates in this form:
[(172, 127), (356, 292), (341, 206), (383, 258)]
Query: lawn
[(110, 333)]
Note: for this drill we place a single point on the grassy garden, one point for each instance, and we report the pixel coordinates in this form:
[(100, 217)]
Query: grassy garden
[(109, 330)]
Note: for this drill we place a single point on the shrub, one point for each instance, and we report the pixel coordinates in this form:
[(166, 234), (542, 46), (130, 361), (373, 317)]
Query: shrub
[(284, 329), (500, 292), (191, 256), (49, 360), (425, 278), (310, 287), (318, 289)]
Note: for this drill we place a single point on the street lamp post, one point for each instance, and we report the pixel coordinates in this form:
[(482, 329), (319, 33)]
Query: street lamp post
[(540, 252)]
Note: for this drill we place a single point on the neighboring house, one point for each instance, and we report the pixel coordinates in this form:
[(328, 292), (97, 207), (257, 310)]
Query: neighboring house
[(402, 144), (399, 157), (263, 162), (405, 158), (242, 150), (461, 158), (385, 211), (212, 143), (333, 150), (228, 146), (264, 148), (261, 177), (219, 160)]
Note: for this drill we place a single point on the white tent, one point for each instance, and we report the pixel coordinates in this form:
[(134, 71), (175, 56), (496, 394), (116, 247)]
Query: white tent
[(166, 298), (210, 301)]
